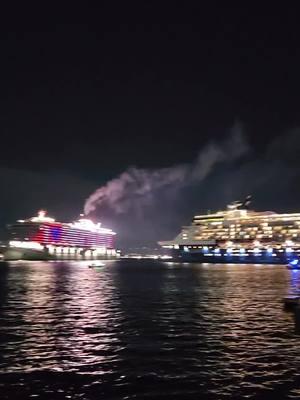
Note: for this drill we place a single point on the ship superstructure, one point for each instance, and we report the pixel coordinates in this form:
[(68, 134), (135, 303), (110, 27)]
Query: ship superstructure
[(239, 234), (43, 237)]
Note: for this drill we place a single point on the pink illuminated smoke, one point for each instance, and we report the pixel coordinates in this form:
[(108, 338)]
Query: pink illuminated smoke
[(136, 187)]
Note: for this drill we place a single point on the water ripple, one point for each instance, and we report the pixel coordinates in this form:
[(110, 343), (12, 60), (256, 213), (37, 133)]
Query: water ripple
[(163, 331)]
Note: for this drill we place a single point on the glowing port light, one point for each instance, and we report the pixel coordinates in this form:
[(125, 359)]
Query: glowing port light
[(41, 217), (289, 243), (26, 245), (87, 224)]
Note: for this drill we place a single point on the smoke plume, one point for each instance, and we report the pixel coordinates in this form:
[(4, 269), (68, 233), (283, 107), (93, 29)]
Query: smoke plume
[(136, 188)]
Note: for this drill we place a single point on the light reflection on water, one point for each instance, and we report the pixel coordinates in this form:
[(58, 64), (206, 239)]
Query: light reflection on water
[(147, 330)]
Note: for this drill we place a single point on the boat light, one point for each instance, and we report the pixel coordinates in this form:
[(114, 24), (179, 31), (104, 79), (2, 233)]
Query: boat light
[(26, 245), (289, 243)]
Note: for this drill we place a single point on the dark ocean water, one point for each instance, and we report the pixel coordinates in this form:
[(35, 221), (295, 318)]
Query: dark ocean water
[(147, 331)]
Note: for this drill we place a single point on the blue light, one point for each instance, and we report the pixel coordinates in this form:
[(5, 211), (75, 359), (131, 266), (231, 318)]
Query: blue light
[(205, 249), (217, 250), (55, 233), (186, 249), (270, 250), (288, 250), (229, 251), (294, 262), (242, 251)]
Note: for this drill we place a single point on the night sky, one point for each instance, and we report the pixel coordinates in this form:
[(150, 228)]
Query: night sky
[(87, 93)]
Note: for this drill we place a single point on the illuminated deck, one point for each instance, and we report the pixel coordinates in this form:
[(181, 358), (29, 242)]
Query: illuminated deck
[(240, 234), (82, 238)]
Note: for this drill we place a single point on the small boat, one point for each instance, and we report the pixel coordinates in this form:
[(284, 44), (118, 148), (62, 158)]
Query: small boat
[(96, 265), (294, 264)]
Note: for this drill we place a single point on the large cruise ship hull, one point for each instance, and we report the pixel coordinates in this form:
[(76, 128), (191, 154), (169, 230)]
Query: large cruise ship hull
[(13, 254), (223, 257)]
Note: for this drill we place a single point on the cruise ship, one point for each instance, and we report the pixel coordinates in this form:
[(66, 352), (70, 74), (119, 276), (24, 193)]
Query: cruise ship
[(41, 237), (239, 235)]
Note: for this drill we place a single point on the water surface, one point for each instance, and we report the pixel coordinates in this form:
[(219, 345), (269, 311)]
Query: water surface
[(146, 330)]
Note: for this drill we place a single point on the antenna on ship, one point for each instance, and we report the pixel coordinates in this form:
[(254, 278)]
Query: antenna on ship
[(240, 205), (247, 202)]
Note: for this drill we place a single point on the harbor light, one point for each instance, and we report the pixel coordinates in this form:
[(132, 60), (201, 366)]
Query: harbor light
[(26, 245)]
